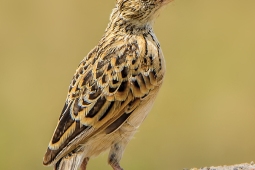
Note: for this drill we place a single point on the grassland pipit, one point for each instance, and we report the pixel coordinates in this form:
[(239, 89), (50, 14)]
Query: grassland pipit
[(112, 90)]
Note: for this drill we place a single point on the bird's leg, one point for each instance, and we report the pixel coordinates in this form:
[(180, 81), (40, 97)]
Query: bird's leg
[(116, 167), (115, 155), (84, 163)]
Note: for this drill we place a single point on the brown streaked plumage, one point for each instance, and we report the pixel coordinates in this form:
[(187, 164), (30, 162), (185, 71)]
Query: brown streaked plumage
[(112, 90)]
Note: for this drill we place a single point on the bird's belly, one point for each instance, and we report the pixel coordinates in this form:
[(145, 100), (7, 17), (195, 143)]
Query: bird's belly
[(138, 116), (103, 141)]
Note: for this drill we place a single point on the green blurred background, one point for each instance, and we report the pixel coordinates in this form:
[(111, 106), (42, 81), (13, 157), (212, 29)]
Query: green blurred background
[(204, 114)]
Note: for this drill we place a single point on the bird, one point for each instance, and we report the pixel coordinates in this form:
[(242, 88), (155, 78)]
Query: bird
[(112, 91)]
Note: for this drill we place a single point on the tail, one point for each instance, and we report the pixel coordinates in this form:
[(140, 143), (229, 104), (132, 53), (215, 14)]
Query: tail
[(69, 162)]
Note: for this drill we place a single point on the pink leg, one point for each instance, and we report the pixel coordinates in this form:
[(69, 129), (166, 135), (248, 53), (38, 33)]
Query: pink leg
[(115, 155), (116, 167), (84, 163)]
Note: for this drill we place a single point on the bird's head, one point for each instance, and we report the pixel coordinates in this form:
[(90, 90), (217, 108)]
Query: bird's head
[(140, 11)]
